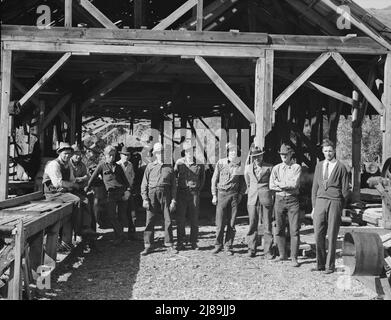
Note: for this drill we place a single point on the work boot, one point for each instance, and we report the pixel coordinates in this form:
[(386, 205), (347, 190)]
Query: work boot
[(216, 250), (280, 259), (295, 263), (146, 251), (180, 247), (251, 253), (173, 250), (194, 246), (228, 251)]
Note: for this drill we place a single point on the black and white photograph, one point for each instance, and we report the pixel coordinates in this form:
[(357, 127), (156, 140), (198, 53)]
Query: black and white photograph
[(193, 156)]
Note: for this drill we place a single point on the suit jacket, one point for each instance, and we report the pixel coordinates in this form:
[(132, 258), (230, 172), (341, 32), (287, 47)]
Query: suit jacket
[(258, 189)]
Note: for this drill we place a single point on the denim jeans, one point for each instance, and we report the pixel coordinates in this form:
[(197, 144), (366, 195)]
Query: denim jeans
[(226, 211), (188, 202)]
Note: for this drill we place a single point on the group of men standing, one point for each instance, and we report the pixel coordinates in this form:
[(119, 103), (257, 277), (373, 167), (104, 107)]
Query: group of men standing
[(273, 193)]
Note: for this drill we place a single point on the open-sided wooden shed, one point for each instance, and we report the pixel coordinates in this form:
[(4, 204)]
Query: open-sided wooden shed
[(269, 66)]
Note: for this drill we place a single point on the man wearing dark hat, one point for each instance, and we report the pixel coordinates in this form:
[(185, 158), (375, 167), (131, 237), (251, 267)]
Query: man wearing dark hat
[(228, 187), (259, 202), (284, 180), (190, 180), (330, 189), (59, 177), (130, 218), (158, 190)]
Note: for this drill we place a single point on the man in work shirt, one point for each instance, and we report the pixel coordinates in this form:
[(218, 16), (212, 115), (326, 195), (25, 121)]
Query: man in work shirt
[(190, 180), (228, 187), (259, 201), (330, 189), (158, 190), (130, 218), (59, 177), (284, 180)]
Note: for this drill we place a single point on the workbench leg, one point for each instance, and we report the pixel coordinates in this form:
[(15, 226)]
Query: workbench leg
[(51, 240), (15, 282), (36, 250), (26, 277), (67, 231)]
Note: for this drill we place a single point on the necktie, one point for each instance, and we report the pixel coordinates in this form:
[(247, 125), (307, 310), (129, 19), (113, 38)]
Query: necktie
[(326, 171)]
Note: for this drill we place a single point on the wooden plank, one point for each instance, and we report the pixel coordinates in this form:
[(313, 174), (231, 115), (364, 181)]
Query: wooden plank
[(6, 65), (225, 89), (68, 13), (14, 285), (55, 110), (21, 199), (97, 14), (50, 73), (174, 16), (358, 82), (73, 123), (36, 250), (386, 98), (200, 15), (356, 150), (263, 97), (52, 239), (300, 80), (360, 25), (138, 13)]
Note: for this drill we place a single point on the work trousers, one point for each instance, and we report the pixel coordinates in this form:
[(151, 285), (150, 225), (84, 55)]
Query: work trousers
[(115, 209), (160, 199), (226, 211), (287, 208), (188, 202), (128, 216), (327, 220), (260, 215)]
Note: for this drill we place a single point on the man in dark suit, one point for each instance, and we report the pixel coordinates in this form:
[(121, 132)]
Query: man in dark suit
[(330, 188), (259, 202)]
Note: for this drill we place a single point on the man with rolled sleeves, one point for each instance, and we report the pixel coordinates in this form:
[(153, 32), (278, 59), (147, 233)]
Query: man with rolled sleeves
[(228, 187), (284, 180), (259, 202), (190, 180), (158, 190), (330, 189)]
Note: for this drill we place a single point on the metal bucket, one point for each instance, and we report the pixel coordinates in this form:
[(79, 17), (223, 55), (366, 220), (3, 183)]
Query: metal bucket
[(363, 253)]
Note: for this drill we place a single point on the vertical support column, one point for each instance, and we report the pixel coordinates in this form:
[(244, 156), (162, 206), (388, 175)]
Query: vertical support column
[(139, 13), (68, 13), (263, 107), (386, 99), (73, 126), (200, 15), (356, 148), (6, 65)]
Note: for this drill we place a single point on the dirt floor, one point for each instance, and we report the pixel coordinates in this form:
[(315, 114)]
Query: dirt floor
[(121, 273)]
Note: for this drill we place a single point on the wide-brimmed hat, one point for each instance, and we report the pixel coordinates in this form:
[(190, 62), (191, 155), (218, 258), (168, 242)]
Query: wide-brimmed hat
[(157, 147), (77, 148), (125, 151), (231, 145), (256, 151), (64, 146), (285, 149)]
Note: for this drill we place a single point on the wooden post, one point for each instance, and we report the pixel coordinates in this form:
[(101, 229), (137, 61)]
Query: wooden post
[(52, 239), (68, 14), (200, 15), (14, 284), (139, 13), (72, 138), (6, 64), (263, 97), (36, 250), (356, 148), (387, 133), (41, 130)]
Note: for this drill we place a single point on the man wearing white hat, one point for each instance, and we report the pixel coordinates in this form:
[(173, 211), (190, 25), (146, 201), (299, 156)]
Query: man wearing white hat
[(59, 177), (158, 191), (228, 187), (190, 178)]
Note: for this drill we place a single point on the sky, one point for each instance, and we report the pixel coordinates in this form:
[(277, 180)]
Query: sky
[(377, 4)]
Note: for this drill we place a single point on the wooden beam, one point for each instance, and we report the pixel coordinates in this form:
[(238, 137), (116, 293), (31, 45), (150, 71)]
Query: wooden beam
[(68, 13), (73, 123), (15, 283), (360, 25), (225, 89), (387, 133), (354, 77), (6, 65), (300, 80), (50, 73), (97, 14), (139, 13), (356, 148), (174, 16), (263, 97), (315, 86), (19, 86), (55, 110), (8, 203), (200, 15)]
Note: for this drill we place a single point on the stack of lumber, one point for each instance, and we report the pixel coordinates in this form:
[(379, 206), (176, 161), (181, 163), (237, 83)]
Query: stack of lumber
[(373, 215)]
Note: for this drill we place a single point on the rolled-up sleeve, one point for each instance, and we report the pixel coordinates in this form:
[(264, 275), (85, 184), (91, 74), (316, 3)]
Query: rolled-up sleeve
[(53, 170)]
